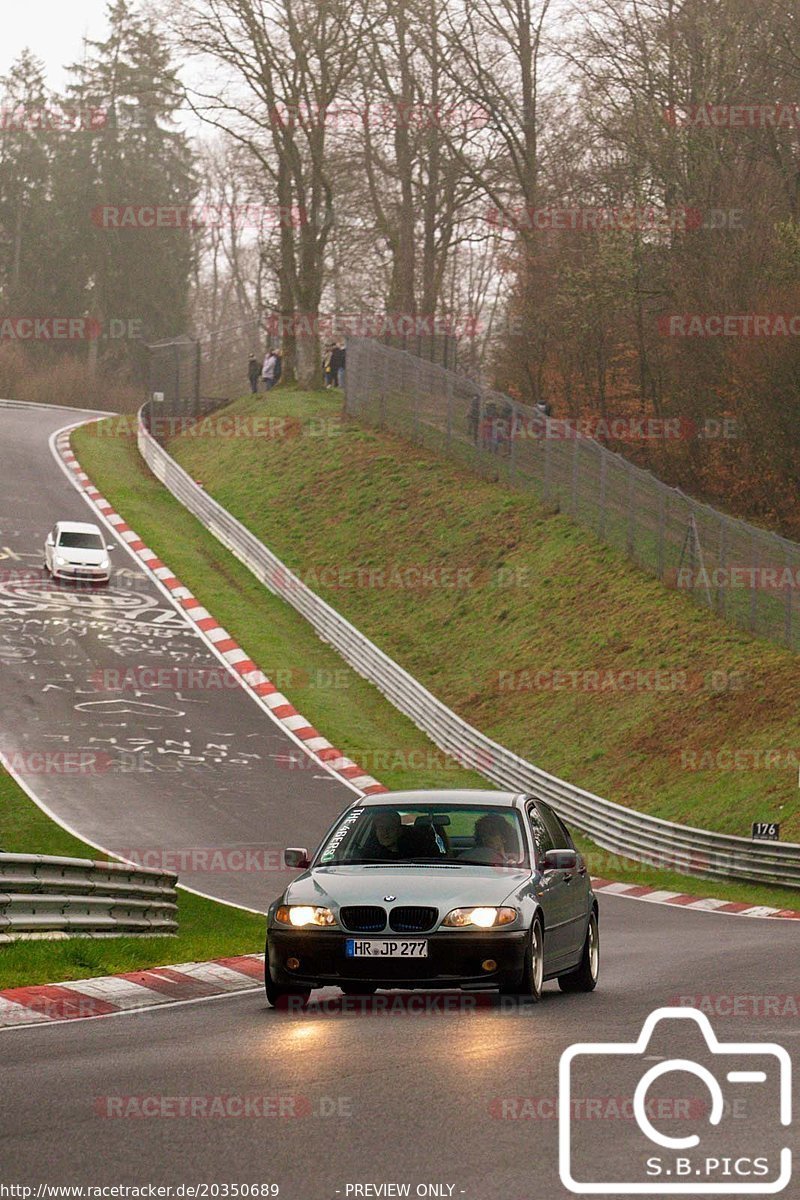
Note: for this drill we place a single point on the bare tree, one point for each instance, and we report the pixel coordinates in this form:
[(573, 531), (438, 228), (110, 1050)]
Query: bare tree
[(280, 67)]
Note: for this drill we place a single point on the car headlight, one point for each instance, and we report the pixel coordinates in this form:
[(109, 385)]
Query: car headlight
[(105, 564), (304, 914), (481, 918), (62, 562)]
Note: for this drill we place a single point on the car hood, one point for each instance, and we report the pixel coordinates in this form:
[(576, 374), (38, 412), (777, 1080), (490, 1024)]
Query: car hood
[(437, 886), (81, 558)]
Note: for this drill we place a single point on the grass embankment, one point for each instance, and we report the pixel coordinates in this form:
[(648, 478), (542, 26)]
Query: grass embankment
[(205, 929), (346, 496), (543, 595)]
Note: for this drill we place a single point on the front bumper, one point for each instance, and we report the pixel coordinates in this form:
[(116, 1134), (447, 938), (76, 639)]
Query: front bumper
[(454, 959), (82, 574)]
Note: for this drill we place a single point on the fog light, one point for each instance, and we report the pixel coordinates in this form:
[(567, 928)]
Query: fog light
[(489, 964), (293, 963)]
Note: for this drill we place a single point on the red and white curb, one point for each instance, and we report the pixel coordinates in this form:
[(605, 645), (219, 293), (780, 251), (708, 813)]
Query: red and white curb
[(130, 992), (318, 746), (633, 891), (221, 642)]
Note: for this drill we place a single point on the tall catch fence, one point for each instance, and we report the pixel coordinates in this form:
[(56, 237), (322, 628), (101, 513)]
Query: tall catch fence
[(195, 375), (744, 574)]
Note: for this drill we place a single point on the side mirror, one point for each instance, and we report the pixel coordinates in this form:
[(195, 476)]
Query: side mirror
[(111, 545), (49, 539), (296, 856), (560, 860)]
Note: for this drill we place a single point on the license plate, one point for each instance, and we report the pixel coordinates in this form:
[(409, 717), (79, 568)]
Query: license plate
[(384, 948)]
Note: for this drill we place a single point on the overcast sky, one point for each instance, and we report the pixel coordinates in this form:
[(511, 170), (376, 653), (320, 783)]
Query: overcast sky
[(53, 29)]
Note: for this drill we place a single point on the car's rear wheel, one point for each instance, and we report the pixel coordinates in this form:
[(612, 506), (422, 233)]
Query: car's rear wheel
[(584, 978), (530, 985), (282, 997)]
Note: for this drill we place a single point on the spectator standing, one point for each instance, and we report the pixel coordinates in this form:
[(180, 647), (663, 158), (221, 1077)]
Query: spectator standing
[(327, 376), (338, 365), (278, 365), (268, 374), (253, 373)]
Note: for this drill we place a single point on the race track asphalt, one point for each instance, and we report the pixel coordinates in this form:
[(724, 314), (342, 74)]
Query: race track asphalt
[(450, 1090)]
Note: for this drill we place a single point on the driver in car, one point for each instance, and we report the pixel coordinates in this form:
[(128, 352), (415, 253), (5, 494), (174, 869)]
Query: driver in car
[(386, 840), (494, 841)]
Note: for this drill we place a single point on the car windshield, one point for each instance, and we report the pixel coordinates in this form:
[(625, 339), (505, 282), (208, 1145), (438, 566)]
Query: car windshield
[(81, 541), (484, 835)]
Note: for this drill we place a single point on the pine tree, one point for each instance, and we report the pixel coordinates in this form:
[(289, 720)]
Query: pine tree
[(25, 166), (135, 156)]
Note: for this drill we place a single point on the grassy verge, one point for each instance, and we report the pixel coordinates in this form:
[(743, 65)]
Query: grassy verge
[(206, 929), (350, 712)]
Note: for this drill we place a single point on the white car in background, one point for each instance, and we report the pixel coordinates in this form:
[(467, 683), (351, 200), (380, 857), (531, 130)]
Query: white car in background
[(77, 550)]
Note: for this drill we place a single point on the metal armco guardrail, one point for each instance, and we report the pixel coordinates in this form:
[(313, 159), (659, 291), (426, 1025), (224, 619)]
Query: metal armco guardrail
[(611, 826), (43, 896)]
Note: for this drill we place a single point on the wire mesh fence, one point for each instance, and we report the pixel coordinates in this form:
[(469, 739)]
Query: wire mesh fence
[(191, 376), (745, 574)]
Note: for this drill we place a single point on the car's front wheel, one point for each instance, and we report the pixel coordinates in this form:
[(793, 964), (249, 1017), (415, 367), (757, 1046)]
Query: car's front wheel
[(530, 986), (584, 978), (279, 996)]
